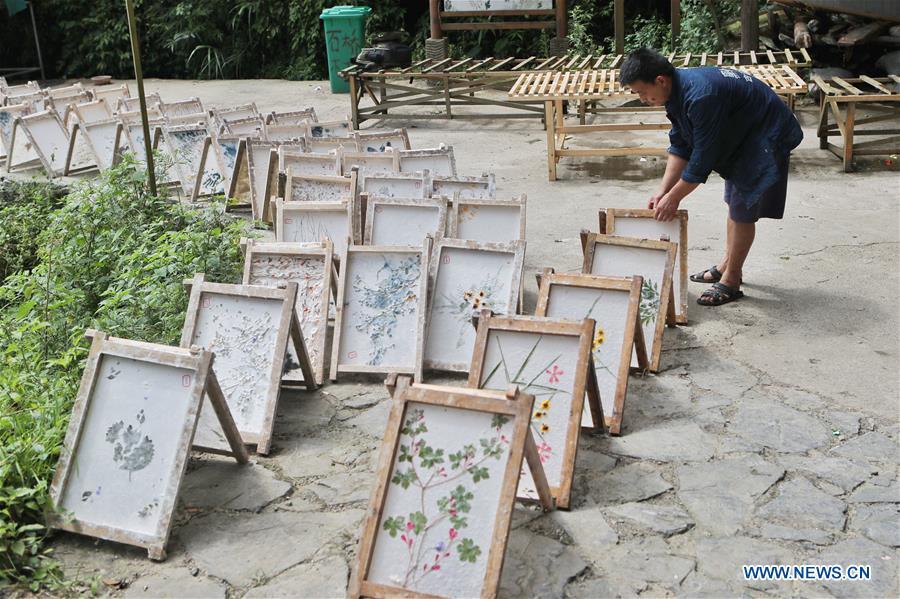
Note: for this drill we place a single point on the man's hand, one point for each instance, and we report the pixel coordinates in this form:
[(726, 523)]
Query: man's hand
[(654, 199), (666, 207)]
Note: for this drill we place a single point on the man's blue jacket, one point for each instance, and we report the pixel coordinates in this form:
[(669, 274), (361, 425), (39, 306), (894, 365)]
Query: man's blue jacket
[(727, 121)]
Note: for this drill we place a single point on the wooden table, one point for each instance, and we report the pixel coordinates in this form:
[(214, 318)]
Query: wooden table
[(555, 88), (841, 97), (456, 83)]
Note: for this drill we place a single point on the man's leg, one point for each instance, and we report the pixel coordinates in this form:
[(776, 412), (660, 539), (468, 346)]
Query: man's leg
[(723, 263), (740, 239)]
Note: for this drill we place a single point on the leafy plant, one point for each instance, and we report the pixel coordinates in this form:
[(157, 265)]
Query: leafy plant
[(110, 257), (24, 210)]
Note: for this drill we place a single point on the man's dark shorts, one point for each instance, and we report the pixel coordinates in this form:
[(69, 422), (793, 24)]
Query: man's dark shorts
[(770, 203)]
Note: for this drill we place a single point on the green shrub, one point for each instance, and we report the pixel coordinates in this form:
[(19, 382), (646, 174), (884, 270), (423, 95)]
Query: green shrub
[(24, 211), (112, 258)]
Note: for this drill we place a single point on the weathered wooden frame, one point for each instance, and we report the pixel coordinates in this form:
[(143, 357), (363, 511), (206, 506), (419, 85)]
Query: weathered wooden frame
[(189, 174), (101, 163), (398, 135), (385, 163), (294, 116), (373, 203), (513, 404), (515, 248), (415, 369), (484, 187), (666, 315), (14, 111), (441, 152), (331, 129), (328, 145), (519, 203), (345, 206), (130, 104), (337, 181), (253, 127), (23, 124), (294, 133), (233, 113), (423, 178), (585, 380), (205, 383), (324, 251), (259, 206), (139, 150), (111, 94), (608, 217), (288, 330), (178, 108), (632, 339), (299, 161)]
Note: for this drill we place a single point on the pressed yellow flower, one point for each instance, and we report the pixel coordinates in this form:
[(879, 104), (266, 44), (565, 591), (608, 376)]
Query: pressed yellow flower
[(545, 405), (599, 338), (538, 414), (544, 428)]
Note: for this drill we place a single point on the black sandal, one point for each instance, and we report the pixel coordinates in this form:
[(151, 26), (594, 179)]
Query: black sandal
[(719, 294), (713, 270)]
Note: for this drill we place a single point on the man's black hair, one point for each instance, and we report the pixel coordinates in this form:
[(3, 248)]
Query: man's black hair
[(645, 65)]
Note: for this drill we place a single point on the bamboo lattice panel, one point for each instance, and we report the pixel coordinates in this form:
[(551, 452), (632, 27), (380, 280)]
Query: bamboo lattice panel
[(604, 83), (863, 89), (578, 62)]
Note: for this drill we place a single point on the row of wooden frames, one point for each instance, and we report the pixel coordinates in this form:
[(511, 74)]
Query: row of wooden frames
[(519, 369)]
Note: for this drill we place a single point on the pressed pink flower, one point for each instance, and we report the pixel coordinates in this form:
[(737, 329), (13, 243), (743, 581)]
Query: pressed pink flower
[(452, 533), (410, 526), (435, 567), (555, 373)]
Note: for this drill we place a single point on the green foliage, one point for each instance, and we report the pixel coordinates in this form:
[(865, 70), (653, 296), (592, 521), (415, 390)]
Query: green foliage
[(24, 210), (112, 257)]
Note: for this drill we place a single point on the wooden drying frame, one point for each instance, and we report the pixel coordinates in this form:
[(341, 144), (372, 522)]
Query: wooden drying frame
[(286, 157), (288, 329), (422, 176), (453, 225), (415, 369), (608, 218), (666, 313), (323, 250), (554, 18), (390, 156), (441, 150), (585, 378), (14, 111), (514, 404), (287, 132), (205, 382), (183, 107), (343, 206), (516, 248), (373, 203), (338, 181), (632, 338), (487, 182), (362, 137), (294, 116), (80, 128), (20, 123), (188, 178)]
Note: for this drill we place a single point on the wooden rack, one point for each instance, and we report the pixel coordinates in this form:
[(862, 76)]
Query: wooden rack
[(555, 88), (454, 83), (840, 97)]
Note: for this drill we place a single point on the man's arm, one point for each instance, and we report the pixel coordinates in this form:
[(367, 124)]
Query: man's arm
[(674, 167)]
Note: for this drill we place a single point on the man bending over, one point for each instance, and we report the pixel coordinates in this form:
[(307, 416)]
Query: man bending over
[(726, 121)]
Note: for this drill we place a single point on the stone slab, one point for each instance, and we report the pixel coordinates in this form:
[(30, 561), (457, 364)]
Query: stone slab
[(325, 578), (722, 558), (348, 487), (871, 493), (175, 583), (678, 441), (228, 485), (537, 566), (720, 495), (838, 471), (633, 482), (590, 532), (779, 427), (799, 504), (241, 548), (870, 447), (862, 551), (666, 520), (880, 523)]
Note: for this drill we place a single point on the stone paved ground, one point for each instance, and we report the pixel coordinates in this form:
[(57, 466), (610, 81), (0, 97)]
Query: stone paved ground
[(769, 436)]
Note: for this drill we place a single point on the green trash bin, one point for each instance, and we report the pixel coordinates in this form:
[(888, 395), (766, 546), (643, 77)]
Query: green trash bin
[(345, 36)]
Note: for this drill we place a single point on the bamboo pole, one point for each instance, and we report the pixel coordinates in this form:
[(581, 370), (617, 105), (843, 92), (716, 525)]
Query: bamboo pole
[(139, 75)]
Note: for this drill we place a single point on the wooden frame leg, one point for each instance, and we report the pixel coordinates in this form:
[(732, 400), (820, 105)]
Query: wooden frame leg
[(550, 120), (849, 123), (823, 122)]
